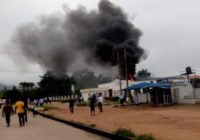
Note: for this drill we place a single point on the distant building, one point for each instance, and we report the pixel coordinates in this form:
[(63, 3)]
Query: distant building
[(179, 90)]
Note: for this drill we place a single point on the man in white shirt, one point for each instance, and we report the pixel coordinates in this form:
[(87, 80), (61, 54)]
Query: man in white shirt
[(121, 100), (100, 102)]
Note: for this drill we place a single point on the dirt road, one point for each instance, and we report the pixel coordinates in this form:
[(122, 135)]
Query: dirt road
[(40, 128), (178, 122)]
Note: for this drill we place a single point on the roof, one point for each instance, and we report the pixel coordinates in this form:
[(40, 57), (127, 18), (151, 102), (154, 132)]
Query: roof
[(148, 85), (93, 90), (138, 86), (195, 76)]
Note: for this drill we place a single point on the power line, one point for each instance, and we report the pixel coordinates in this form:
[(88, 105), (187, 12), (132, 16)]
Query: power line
[(12, 53), (7, 71)]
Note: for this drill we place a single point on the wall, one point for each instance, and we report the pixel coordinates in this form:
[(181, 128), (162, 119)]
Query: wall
[(86, 92), (197, 93), (182, 91)]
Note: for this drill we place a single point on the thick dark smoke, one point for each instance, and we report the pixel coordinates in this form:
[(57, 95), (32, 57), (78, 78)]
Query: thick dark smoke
[(57, 42)]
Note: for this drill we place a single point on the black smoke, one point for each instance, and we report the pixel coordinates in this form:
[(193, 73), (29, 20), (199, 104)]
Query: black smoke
[(58, 41)]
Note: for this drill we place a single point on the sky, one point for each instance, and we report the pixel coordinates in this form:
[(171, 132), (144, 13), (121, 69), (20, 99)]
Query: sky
[(170, 33)]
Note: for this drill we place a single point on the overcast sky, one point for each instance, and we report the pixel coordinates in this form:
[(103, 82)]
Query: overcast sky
[(171, 33)]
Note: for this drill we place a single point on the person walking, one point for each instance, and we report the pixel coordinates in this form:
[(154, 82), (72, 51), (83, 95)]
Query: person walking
[(19, 108), (121, 100), (100, 102), (71, 105), (25, 110), (92, 104), (7, 112)]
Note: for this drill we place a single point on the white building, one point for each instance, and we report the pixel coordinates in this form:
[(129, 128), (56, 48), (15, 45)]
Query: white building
[(180, 91), (111, 89)]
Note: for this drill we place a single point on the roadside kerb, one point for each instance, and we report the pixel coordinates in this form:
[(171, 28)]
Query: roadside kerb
[(83, 127)]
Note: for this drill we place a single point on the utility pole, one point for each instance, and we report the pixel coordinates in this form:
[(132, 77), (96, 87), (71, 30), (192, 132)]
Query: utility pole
[(126, 69), (120, 83)]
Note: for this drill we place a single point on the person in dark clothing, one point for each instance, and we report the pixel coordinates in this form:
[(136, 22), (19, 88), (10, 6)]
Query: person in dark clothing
[(92, 104), (71, 105), (25, 110), (7, 112)]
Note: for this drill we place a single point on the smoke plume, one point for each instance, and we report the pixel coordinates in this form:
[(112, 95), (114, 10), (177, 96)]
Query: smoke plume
[(97, 39)]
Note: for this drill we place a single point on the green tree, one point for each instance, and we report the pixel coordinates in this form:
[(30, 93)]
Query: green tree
[(88, 79), (26, 88), (12, 94), (143, 73), (26, 85), (52, 85)]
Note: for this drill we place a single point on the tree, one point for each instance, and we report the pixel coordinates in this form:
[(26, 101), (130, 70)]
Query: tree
[(26, 88), (85, 79), (88, 79), (12, 94), (26, 85), (52, 85), (144, 73)]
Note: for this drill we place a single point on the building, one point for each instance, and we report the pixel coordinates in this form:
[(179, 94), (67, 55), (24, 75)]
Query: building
[(111, 89), (178, 90)]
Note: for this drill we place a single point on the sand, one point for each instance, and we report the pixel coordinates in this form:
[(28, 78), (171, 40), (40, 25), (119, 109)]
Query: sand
[(164, 123)]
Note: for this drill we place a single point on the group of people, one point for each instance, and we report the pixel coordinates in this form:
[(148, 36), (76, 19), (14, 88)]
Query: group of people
[(41, 101), (21, 108), (93, 99)]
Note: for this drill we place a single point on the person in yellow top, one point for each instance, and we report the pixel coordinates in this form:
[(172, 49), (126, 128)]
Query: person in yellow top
[(19, 108)]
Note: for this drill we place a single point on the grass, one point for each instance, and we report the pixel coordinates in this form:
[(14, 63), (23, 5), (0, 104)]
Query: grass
[(124, 133), (46, 108), (92, 125), (127, 133), (83, 103), (65, 101), (145, 137)]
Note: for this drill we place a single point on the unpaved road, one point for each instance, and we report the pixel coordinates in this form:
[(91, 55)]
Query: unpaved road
[(40, 128), (177, 122)]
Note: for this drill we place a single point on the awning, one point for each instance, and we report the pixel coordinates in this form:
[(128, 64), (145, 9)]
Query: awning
[(148, 85), (161, 85), (138, 86)]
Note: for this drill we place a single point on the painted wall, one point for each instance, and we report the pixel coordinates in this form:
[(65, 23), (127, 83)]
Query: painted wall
[(197, 93), (182, 91)]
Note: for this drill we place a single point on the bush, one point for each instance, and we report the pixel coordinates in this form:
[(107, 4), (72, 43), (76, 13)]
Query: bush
[(145, 137), (92, 125), (46, 108), (65, 101), (124, 133), (112, 99), (83, 103)]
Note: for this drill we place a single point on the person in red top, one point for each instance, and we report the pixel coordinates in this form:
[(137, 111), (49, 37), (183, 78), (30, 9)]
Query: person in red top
[(7, 112)]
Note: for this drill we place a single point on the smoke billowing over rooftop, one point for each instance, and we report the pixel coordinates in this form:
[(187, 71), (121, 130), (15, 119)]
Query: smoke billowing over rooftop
[(80, 39)]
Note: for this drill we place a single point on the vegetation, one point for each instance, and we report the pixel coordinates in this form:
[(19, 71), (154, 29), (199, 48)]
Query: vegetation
[(127, 133), (124, 133), (82, 103), (49, 85), (145, 137), (88, 79), (114, 99), (92, 125), (143, 73)]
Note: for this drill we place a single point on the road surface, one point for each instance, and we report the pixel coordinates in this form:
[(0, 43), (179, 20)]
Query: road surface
[(40, 128)]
